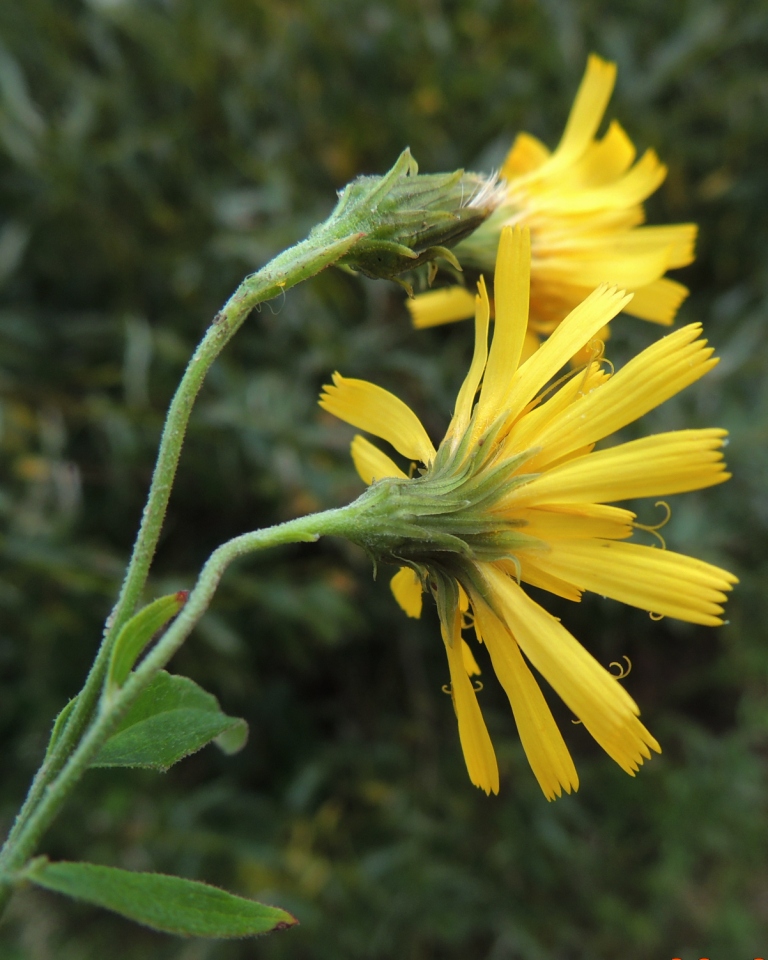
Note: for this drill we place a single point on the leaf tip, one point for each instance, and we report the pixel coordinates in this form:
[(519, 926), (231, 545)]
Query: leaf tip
[(286, 921)]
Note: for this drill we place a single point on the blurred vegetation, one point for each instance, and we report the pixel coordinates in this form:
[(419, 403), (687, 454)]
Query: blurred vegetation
[(151, 154)]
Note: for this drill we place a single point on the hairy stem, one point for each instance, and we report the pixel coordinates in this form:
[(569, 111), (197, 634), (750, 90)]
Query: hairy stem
[(380, 226), (21, 847), (325, 245)]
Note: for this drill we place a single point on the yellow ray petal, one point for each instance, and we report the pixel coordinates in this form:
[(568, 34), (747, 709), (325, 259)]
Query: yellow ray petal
[(379, 412), (466, 397), (406, 587), (659, 372), (463, 599), (679, 239), (446, 305), (533, 573), (542, 741), (603, 161), (626, 270), (524, 434), (559, 233), (586, 113), (527, 154), (470, 664), (511, 285), (371, 463), (654, 466), (577, 521), (636, 185), (591, 692), (530, 345), (571, 455), (579, 326), (659, 581), (658, 301), (476, 743)]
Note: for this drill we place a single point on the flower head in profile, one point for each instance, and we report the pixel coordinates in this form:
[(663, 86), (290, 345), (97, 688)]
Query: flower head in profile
[(583, 204), (515, 494), (405, 218)]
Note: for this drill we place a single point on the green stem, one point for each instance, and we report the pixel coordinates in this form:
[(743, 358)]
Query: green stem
[(299, 263), (325, 245), (21, 847), (380, 226)]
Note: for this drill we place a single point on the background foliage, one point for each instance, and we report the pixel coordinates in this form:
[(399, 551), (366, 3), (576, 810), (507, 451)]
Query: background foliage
[(151, 154)]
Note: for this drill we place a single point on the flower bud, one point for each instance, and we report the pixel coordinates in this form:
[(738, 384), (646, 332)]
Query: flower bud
[(409, 218)]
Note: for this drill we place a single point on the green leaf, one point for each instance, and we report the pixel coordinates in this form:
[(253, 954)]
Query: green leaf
[(172, 718), (137, 633), (58, 726), (171, 904), (234, 739)]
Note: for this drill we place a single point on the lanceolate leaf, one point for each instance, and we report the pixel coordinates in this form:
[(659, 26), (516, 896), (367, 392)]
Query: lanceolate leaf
[(171, 719), (137, 633), (171, 904), (233, 739), (59, 724)]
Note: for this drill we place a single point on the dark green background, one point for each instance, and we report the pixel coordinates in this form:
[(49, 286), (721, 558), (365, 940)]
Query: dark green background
[(153, 153)]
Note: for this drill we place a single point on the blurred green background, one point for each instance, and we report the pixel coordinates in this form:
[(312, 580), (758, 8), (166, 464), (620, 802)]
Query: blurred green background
[(151, 154)]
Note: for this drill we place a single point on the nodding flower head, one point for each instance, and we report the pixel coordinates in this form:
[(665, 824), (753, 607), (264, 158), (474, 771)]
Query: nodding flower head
[(583, 204), (516, 494)]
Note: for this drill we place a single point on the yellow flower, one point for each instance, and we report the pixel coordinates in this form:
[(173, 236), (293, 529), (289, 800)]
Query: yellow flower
[(584, 206), (516, 494)]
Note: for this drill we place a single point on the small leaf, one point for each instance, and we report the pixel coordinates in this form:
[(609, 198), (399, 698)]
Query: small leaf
[(233, 740), (172, 904), (172, 718), (58, 726), (136, 634)]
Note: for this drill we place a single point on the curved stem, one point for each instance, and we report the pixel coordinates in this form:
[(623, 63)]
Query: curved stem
[(325, 245), (300, 262), (372, 229), (18, 849)]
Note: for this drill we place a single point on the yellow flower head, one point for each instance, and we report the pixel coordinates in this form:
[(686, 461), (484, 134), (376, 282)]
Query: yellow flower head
[(584, 206), (516, 494)]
